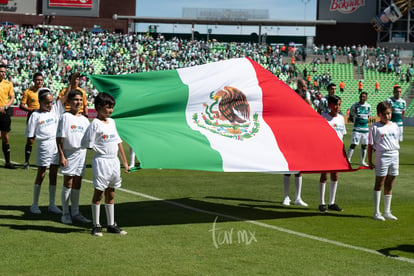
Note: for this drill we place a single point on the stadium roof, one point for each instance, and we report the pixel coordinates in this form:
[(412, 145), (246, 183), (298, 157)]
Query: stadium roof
[(248, 22)]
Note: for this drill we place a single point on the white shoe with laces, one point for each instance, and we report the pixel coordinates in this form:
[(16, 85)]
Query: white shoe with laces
[(286, 201), (54, 210), (390, 216), (300, 202), (378, 216), (34, 209), (81, 218), (66, 219)]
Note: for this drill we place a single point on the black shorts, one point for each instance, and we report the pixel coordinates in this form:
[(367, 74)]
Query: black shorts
[(5, 122)]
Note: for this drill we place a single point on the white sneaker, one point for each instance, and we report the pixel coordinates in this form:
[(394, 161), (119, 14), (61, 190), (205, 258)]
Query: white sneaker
[(34, 209), (300, 202), (286, 201), (378, 216), (363, 164), (81, 218), (390, 216), (66, 219), (54, 210)]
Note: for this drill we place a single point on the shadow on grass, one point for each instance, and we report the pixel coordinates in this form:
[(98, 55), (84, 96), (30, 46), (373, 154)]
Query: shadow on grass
[(170, 212), (409, 248), (190, 210), (24, 214)]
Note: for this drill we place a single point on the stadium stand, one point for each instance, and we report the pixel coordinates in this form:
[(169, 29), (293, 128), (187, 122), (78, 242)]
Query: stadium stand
[(58, 53)]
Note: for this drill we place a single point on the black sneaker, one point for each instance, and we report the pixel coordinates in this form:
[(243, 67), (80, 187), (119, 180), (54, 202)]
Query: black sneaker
[(335, 207), (322, 208), (26, 166), (114, 229), (97, 230)]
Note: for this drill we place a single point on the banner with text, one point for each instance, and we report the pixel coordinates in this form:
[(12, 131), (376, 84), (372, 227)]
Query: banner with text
[(71, 3)]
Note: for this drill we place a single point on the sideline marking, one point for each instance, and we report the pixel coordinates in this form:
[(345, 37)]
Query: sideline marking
[(261, 224)]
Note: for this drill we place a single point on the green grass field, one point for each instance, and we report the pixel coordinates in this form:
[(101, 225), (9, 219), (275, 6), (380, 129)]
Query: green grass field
[(207, 223)]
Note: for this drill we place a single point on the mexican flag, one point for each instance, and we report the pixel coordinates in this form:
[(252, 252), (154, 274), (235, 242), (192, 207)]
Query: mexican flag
[(232, 116)]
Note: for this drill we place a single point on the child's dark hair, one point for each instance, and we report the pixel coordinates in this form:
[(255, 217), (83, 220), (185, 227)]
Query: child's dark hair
[(43, 92), (103, 99), (382, 107), (333, 99), (74, 92)]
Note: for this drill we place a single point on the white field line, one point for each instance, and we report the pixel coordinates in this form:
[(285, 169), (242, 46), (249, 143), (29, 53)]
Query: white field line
[(261, 224)]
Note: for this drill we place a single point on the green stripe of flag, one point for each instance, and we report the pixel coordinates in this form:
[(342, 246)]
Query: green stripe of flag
[(155, 102)]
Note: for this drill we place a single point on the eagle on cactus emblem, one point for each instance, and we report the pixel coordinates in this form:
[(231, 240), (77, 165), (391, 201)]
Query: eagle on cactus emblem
[(228, 114)]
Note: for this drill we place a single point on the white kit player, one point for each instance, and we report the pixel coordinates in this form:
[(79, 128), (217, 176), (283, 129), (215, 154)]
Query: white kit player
[(72, 126)]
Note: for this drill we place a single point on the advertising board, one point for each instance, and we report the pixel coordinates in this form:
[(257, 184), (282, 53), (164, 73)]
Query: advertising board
[(71, 3)]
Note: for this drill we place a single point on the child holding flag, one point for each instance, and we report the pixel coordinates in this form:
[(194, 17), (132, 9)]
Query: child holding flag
[(337, 122), (43, 125), (72, 126), (384, 137), (102, 137)]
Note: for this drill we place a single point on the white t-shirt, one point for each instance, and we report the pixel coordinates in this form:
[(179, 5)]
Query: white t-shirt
[(43, 125), (384, 137), (102, 138), (72, 128), (337, 123)]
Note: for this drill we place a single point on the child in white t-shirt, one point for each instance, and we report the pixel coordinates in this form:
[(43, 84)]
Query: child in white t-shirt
[(102, 137), (337, 122), (71, 128), (42, 125), (384, 137)]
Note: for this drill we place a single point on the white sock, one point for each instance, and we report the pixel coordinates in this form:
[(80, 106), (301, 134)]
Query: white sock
[(350, 153), (332, 194), (286, 184), (96, 212), (52, 195), (363, 155), (131, 158), (65, 199), (322, 193), (298, 185), (110, 216), (74, 199), (387, 204), (377, 200), (36, 194)]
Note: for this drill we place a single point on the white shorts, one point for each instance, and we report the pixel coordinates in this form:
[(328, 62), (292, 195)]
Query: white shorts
[(387, 163), (75, 163), (47, 153), (359, 137), (106, 173)]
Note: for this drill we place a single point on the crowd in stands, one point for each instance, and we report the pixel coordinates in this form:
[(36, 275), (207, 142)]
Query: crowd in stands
[(57, 54)]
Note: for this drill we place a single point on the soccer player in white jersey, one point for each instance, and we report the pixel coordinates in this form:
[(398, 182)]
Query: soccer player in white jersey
[(337, 122), (359, 115), (102, 137), (384, 140), (398, 109), (42, 125), (72, 126)]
